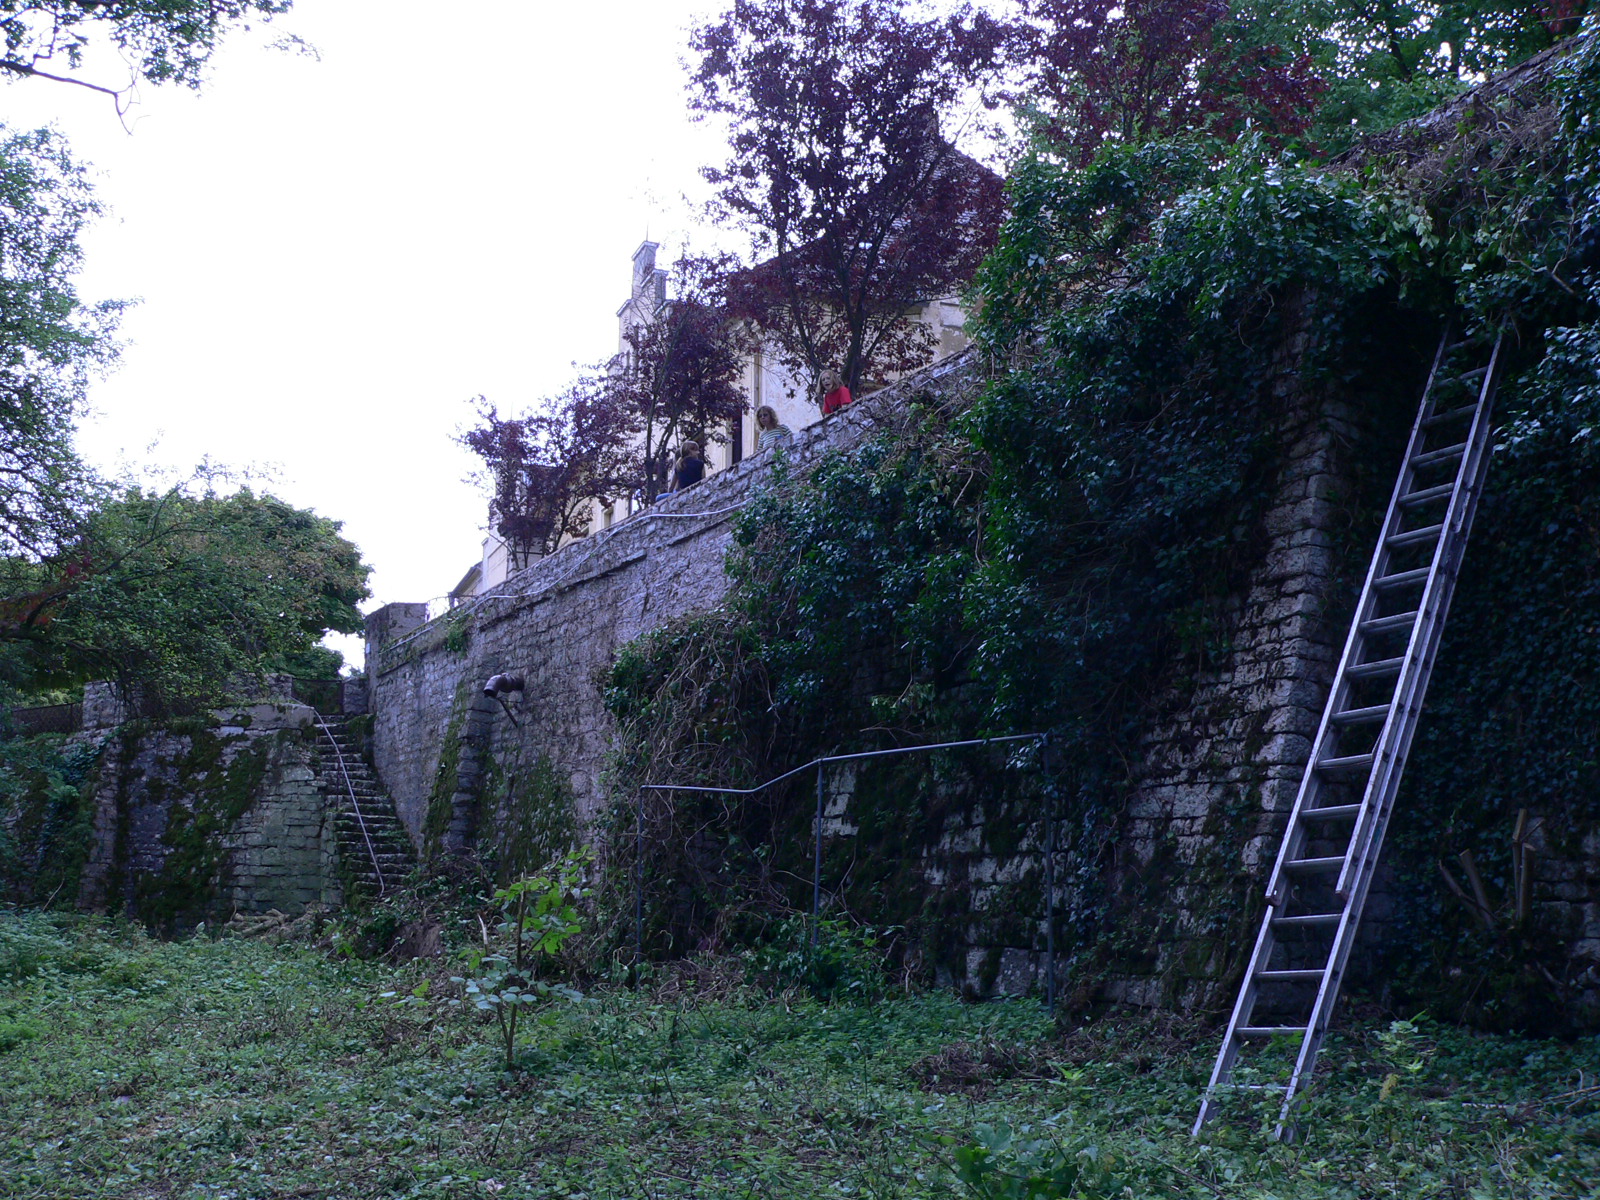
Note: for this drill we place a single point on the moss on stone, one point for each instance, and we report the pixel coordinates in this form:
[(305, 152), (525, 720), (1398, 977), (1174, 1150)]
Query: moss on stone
[(446, 777), (360, 730), (46, 815), (206, 792), (530, 817)]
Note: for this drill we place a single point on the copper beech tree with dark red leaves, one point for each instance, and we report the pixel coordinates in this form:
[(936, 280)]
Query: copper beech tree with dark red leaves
[(858, 206), (545, 469), (1133, 70), (614, 433), (681, 371)]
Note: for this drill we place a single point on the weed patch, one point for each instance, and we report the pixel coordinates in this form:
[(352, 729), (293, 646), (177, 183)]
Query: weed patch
[(234, 1067)]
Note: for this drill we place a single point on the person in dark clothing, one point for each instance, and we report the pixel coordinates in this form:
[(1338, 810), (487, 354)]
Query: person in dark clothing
[(691, 468)]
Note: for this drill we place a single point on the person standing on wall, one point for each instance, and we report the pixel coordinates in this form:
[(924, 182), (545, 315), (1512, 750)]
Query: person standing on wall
[(834, 393), (691, 468), (773, 433)]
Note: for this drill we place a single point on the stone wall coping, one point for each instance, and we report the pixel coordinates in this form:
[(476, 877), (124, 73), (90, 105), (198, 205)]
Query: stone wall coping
[(712, 502)]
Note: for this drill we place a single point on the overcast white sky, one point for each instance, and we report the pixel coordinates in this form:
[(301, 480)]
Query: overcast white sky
[(334, 257)]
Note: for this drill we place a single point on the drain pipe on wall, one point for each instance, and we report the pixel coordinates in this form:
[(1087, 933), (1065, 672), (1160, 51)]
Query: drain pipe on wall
[(496, 687), (472, 745)]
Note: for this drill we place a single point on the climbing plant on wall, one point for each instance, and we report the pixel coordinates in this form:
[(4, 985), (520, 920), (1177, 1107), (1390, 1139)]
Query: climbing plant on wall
[(1513, 718), (1063, 556)]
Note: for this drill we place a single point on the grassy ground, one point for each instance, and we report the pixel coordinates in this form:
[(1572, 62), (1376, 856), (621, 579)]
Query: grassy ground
[(232, 1068)]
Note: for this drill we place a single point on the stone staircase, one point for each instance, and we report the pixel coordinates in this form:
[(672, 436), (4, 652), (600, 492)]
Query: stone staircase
[(364, 815)]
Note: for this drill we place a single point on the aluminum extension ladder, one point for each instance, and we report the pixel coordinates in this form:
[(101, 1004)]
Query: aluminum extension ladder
[(1330, 848)]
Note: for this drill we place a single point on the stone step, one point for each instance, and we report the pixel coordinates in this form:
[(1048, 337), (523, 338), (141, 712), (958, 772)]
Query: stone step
[(373, 833), (389, 834), (379, 846), (391, 826), (382, 851)]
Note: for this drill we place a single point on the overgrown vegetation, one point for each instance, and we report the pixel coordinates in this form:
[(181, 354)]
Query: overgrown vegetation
[(180, 599), (44, 816), (257, 1070), (1063, 557), (539, 916)]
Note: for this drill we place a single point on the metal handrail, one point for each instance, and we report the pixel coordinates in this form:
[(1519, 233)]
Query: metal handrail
[(816, 860), (355, 805), (833, 758)]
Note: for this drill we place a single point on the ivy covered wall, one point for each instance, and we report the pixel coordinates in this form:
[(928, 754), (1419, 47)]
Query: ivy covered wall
[(1144, 536), (1135, 519), (196, 820)]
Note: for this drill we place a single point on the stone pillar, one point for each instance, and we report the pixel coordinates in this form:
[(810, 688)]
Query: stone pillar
[(102, 706), (390, 623), (465, 802)]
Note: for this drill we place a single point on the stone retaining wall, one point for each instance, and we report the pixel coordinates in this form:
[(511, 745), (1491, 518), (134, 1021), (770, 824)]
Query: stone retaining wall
[(211, 820), (1187, 856), (558, 624)]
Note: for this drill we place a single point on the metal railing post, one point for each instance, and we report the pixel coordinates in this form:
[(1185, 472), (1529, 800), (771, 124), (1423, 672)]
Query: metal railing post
[(638, 886), (1050, 897), (821, 764), (816, 864), (1047, 768)]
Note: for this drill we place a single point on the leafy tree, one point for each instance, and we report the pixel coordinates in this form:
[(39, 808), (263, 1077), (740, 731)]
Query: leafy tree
[(163, 41), (178, 597), (546, 468), (840, 172), (51, 343), (1135, 70), (680, 373), (1389, 60)]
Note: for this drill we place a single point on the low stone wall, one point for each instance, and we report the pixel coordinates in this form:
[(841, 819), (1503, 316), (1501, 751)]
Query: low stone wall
[(204, 820)]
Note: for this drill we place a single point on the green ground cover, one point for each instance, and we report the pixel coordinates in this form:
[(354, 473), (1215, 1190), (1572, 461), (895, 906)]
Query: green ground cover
[(227, 1067)]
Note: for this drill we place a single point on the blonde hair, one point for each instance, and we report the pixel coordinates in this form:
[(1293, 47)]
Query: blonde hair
[(831, 381), (690, 448), (766, 411)]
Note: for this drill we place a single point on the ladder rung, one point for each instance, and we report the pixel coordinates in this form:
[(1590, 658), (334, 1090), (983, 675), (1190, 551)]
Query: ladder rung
[(1309, 865), (1375, 670), (1453, 414), (1402, 579), (1411, 537), (1442, 454), (1312, 826), (1331, 812), (1310, 919), (1361, 716), (1388, 624), (1437, 492), (1313, 975), (1350, 762)]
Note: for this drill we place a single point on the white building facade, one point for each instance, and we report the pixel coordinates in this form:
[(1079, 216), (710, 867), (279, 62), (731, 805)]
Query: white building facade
[(764, 382)]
